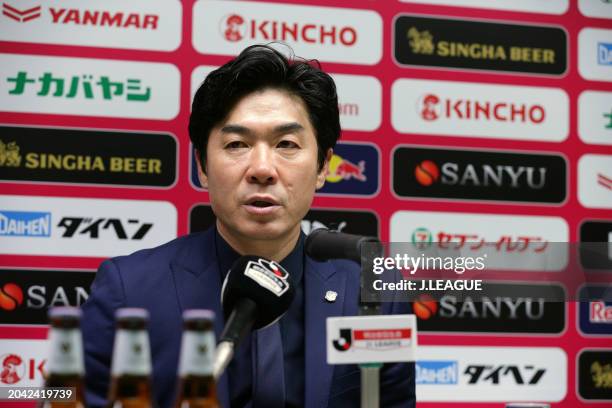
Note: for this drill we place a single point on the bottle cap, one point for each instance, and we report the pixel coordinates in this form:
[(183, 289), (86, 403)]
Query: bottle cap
[(64, 311), (198, 314), (131, 313)]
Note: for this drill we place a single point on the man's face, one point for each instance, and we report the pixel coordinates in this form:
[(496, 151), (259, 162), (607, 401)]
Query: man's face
[(261, 167)]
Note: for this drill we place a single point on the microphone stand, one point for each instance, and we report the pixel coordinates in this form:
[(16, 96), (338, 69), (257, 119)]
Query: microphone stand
[(370, 372)]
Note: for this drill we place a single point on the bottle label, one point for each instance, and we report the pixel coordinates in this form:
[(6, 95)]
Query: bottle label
[(197, 352), (131, 353), (66, 352)]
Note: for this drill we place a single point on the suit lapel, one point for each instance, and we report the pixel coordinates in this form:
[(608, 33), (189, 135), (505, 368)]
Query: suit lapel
[(198, 286), (318, 279)]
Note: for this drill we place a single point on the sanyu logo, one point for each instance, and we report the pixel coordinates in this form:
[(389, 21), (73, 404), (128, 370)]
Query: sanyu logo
[(449, 173), (479, 175)]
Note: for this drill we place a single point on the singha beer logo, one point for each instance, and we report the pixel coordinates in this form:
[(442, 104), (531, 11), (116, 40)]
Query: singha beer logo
[(9, 154), (601, 374), (421, 42), (344, 342)]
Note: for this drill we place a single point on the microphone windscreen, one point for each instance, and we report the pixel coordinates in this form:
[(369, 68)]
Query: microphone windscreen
[(264, 282), (323, 244)]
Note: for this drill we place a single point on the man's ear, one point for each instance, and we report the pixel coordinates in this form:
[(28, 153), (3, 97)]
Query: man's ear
[(324, 169), (201, 169)]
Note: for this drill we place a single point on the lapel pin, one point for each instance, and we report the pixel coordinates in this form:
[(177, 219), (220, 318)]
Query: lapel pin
[(331, 296)]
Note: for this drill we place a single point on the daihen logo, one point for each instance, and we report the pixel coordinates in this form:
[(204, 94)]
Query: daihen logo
[(479, 175), (25, 224), (431, 107), (507, 308), (25, 295), (235, 27), (448, 43)]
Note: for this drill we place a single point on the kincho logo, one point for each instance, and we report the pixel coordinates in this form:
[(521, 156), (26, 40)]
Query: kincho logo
[(333, 34), (433, 107), (22, 362), (453, 108), (479, 175), (448, 43), (234, 28)]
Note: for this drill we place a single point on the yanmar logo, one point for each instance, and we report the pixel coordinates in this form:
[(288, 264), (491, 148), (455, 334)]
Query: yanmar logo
[(235, 28), (20, 15), (433, 107), (135, 24), (99, 18)]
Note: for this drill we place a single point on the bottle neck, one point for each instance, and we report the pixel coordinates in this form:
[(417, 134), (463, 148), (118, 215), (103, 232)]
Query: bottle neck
[(66, 352), (197, 352), (131, 353)]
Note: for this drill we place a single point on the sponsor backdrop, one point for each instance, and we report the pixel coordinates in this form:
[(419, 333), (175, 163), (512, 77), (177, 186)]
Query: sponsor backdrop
[(463, 120)]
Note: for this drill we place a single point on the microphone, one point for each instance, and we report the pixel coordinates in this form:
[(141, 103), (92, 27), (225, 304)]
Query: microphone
[(323, 244), (255, 294)]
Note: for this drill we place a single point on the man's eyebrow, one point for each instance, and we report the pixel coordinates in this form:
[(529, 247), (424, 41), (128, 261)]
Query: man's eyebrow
[(288, 128), (245, 131), (238, 129)]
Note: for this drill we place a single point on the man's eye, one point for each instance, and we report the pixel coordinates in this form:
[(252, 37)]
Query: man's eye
[(287, 144), (235, 145)]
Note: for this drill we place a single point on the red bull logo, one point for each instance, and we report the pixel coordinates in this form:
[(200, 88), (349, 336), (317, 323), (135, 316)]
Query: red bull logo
[(343, 169)]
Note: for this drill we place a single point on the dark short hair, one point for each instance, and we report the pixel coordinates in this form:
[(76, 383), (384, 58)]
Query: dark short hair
[(261, 67)]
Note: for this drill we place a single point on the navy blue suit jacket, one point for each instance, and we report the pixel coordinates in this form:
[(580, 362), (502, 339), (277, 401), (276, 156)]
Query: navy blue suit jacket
[(184, 274)]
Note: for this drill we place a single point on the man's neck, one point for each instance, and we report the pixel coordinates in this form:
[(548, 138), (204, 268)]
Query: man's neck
[(275, 250)]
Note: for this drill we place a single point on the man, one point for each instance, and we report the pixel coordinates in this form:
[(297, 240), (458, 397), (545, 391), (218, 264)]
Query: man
[(264, 126)]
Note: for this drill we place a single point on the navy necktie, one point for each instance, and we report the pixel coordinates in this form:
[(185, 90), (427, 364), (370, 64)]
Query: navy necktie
[(268, 373)]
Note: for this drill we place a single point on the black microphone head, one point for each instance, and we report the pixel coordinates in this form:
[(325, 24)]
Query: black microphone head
[(264, 282)]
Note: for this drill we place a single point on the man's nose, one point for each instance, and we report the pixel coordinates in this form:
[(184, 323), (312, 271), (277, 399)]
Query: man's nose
[(262, 169)]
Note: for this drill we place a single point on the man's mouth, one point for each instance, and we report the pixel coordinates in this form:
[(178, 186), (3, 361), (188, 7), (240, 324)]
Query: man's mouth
[(261, 205)]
